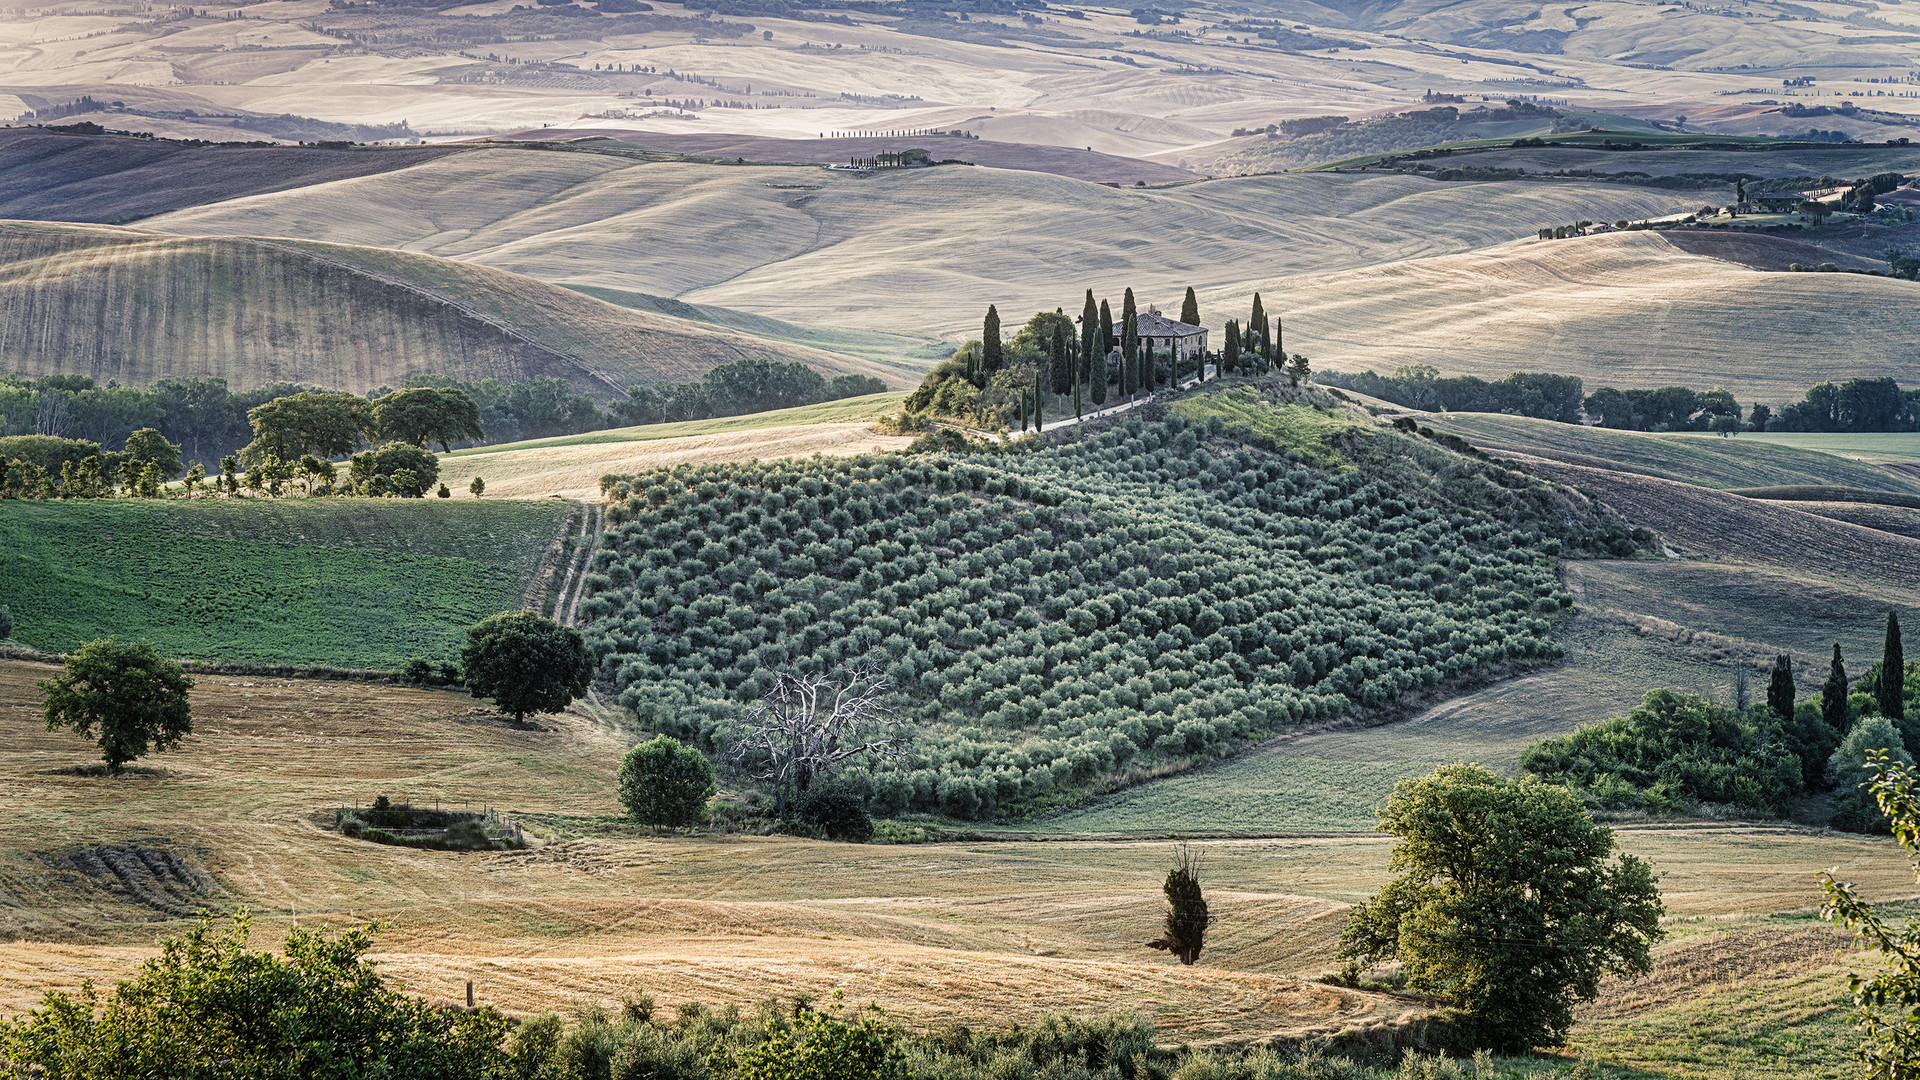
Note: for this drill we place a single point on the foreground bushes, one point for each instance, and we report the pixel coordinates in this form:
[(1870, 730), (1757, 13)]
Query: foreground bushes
[(210, 1008)]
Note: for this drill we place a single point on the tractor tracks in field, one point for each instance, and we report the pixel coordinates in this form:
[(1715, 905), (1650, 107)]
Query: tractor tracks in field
[(573, 581)]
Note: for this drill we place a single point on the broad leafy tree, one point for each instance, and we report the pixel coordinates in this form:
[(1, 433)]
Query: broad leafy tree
[(148, 447), (377, 472), (325, 425), (424, 414), (526, 663), (1504, 901), (666, 785), (125, 694)]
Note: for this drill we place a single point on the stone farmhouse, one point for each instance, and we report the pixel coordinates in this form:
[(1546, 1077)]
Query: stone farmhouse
[(1165, 335)]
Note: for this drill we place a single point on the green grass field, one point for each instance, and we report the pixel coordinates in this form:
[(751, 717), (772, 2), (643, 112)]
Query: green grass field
[(348, 583), (1710, 461)]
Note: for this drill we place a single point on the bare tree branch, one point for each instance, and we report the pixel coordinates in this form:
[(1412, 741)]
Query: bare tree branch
[(809, 724)]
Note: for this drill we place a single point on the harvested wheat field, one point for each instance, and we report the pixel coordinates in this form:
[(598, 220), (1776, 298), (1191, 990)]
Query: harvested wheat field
[(983, 932), (1627, 309), (573, 471)]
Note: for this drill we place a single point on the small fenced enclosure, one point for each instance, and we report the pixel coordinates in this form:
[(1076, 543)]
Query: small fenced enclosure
[(433, 828)]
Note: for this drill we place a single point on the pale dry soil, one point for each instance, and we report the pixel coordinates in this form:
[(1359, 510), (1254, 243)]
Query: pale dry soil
[(574, 471), (986, 932)]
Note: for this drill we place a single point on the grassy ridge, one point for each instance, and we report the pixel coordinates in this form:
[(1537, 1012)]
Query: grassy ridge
[(136, 306), (347, 583), (1741, 462)]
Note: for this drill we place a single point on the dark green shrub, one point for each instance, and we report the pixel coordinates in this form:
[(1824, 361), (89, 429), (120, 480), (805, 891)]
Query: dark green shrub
[(204, 1000), (834, 813)]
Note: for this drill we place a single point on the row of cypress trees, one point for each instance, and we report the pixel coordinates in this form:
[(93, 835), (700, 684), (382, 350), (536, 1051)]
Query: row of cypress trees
[(1078, 368)]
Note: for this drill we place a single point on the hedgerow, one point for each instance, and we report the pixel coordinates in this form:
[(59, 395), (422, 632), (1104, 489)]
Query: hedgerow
[(1152, 592)]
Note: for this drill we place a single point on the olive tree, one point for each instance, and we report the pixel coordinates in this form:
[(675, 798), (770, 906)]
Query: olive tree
[(526, 663), (665, 784), (126, 692), (1505, 903)]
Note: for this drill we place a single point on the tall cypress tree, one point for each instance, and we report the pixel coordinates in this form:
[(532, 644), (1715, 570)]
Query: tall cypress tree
[(990, 355), (1893, 670), (1190, 309), (1094, 360), (1780, 688), (1833, 695), (1130, 339), (1059, 359), (1257, 323), (1107, 340), (1230, 356), (1070, 359), (1279, 354), (1039, 399)]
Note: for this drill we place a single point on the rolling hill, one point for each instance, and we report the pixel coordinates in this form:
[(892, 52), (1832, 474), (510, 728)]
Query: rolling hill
[(1627, 309), (811, 246), (131, 305)]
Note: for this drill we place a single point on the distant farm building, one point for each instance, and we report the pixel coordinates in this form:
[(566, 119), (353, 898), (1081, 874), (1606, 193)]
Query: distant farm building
[(1165, 335)]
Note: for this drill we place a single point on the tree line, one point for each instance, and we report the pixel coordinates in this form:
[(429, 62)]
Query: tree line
[(208, 420), (296, 438), (1857, 405), (1061, 365)]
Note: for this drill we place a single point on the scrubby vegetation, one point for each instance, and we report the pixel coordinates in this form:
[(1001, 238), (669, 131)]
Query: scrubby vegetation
[(433, 829), (1156, 592)]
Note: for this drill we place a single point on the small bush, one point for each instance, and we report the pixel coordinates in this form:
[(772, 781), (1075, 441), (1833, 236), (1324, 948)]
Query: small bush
[(834, 813)]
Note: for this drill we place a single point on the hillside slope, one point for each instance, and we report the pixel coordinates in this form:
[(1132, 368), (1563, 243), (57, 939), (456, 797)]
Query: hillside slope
[(115, 179), (1627, 309), (125, 304), (811, 246)]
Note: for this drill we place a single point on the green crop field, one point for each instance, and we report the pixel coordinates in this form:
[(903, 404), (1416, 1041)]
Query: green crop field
[(1710, 461), (349, 583)]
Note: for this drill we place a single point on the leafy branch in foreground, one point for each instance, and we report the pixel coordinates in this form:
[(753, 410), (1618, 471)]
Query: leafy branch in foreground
[(1887, 1004)]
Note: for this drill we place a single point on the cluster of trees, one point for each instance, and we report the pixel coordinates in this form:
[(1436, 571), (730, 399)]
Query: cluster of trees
[(208, 421), (295, 439), (1877, 404), (736, 389), (1677, 751), (1061, 364), (1421, 386), (1155, 591)]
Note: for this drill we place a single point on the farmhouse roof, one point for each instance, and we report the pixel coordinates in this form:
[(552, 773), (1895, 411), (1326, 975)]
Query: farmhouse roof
[(1153, 324)]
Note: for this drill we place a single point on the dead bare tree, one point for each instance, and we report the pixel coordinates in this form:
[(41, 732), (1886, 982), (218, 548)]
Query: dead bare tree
[(809, 724)]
